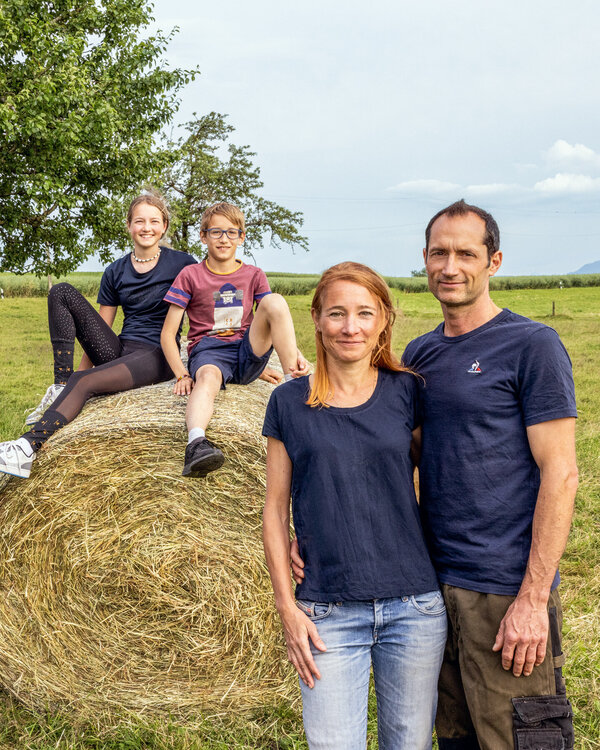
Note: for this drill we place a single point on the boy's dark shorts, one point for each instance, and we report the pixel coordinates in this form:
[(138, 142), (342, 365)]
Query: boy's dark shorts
[(236, 360), (481, 706)]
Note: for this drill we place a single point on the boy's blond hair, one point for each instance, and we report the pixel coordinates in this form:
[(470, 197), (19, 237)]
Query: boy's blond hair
[(228, 210)]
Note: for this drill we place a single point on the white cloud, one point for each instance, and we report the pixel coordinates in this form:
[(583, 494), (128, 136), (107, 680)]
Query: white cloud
[(425, 187), (563, 155), (494, 188), (565, 182)]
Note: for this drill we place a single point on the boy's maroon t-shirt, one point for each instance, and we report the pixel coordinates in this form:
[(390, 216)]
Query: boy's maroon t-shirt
[(218, 304)]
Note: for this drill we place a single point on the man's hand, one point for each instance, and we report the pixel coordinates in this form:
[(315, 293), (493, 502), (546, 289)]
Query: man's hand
[(270, 375), (184, 386), (522, 636), (297, 561), (298, 629)]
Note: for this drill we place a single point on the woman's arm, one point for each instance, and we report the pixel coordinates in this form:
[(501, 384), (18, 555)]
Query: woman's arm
[(297, 626), (168, 341), (108, 315)]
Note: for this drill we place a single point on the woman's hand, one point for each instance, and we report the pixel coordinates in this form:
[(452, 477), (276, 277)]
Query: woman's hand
[(183, 386), (298, 629)]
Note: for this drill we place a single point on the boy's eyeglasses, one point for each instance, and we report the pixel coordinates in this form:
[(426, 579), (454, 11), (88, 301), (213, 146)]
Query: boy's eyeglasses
[(216, 234)]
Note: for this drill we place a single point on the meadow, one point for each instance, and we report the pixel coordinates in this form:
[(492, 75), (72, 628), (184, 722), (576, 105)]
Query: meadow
[(29, 285), (25, 354)]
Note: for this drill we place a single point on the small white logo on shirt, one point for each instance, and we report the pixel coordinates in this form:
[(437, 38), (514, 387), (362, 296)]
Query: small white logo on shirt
[(475, 367)]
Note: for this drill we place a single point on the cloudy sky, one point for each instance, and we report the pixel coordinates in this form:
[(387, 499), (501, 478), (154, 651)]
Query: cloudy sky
[(369, 117)]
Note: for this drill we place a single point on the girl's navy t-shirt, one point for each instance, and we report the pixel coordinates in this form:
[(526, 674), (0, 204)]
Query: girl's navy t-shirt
[(353, 499), (141, 294)]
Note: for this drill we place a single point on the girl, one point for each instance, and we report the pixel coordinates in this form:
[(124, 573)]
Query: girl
[(111, 363)]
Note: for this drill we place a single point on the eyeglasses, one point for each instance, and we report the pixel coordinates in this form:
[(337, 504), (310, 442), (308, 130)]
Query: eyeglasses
[(216, 234)]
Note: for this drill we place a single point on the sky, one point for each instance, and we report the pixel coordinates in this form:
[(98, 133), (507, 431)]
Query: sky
[(370, 117)]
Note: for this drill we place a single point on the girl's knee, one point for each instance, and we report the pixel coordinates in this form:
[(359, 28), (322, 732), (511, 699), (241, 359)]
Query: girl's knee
[(61, 294), (60, 290)]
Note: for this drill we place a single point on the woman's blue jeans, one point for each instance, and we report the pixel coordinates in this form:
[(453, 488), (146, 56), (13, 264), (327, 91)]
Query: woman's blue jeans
[(403, 640)]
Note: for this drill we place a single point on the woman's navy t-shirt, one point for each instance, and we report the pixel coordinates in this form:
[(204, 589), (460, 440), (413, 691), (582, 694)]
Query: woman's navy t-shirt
[(141, 294), (353, 499)]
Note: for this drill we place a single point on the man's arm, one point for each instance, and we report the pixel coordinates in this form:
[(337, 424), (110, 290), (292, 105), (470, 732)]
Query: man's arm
[(168, 341), (108, 313), (523, 632)]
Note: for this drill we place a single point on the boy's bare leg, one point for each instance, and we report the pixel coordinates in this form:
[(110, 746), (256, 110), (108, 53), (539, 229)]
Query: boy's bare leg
[(273, 326), (201, 402)]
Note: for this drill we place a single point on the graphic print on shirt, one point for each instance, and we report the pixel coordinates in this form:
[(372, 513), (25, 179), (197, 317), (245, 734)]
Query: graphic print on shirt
[(229, 310), (475, 367)]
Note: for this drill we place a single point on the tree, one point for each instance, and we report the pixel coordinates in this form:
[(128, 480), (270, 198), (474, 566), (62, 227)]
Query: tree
[(418, 273), (82, 96), (200, 176)]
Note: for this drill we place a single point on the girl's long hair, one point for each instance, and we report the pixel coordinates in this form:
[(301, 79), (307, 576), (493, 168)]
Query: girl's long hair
[(382, 355)]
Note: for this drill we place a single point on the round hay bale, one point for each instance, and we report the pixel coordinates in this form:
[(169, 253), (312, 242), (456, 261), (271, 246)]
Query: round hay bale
[(126, 586)]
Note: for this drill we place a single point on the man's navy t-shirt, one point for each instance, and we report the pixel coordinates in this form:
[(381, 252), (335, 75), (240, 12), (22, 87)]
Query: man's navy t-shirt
[(353, 500), (141, 294), (478, 479)]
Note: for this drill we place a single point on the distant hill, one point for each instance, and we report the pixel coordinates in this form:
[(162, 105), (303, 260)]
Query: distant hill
[(589, 268)]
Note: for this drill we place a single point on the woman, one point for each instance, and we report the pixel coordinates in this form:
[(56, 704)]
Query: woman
[(339, 443), (138, 282)]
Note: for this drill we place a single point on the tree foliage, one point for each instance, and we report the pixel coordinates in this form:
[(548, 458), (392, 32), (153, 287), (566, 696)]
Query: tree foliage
[(82, 96), (204, 172)]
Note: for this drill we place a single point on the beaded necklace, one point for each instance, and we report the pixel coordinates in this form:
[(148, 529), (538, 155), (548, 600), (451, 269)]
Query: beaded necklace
[(144, 260)]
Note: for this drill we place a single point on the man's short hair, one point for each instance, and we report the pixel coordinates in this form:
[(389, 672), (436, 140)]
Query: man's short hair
[(491, 237), (228, 210)]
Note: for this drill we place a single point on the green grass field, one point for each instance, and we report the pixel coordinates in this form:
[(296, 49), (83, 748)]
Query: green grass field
[(26, 370), (88, 282)]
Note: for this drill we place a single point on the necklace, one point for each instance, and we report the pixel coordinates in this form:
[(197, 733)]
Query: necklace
[(144, 260)]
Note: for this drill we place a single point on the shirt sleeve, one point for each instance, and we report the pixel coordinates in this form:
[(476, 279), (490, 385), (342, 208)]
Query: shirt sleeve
[(261, 285), (271, 426), (415, 401), (107, 294), (180, 292), (546, 379), (406, 358)]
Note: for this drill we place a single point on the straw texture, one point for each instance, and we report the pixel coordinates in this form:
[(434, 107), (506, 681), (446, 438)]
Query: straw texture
[(123, 585)]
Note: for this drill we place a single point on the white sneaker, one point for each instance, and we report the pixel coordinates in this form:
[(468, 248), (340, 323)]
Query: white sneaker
[(16, 457), (50, 396)]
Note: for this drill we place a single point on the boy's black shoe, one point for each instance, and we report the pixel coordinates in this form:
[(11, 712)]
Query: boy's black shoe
[(201, 457)]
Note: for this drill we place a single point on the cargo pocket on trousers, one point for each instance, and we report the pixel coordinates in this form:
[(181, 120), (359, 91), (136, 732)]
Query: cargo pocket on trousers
[(543, 722)]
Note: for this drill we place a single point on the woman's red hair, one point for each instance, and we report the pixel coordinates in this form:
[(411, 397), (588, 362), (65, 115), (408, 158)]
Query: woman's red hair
[(382, 355)]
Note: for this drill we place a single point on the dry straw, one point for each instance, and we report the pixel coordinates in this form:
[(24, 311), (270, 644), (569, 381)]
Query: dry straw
[(126, 587)]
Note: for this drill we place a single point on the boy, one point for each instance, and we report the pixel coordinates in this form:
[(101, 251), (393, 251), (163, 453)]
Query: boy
[(228, 343)]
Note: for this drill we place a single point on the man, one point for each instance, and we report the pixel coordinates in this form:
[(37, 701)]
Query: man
[(497, 486)]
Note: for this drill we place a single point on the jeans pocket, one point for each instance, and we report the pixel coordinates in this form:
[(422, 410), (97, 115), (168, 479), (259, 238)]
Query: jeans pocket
[(315, 610), (543, 721), (431, 603)]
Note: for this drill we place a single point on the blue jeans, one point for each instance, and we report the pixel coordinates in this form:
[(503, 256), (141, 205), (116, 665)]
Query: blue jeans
[(403, 639)]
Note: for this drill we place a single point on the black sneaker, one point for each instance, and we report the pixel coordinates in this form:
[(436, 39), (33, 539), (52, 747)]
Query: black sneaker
[(201, 457)]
